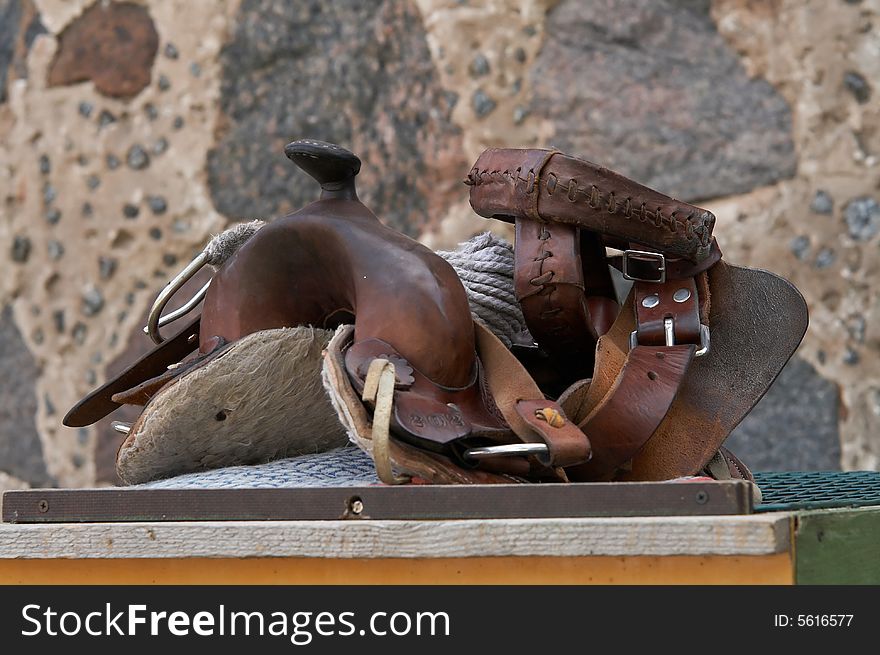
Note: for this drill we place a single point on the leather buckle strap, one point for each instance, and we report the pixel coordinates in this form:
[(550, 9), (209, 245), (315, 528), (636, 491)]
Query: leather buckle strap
[(637, 266), (669, 330)]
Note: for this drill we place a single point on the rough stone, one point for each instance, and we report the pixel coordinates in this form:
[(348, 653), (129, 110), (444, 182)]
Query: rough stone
[(49, 194), (650, 89), (79, 332), (858, 86), (19, 26), (137, 158), (106, 118), (21, 453), (479, 66), (483, 104), (92, 301), (822, 203), (862, 216), (800, 246), (130, 211), (112, 161), (85, 109), (112, 44), (107, 267), (825, 257), (794, 427), (55, 249), (378, 94), (58, 320), (21, 249), (171, 51), (158, 204), (160, 146)]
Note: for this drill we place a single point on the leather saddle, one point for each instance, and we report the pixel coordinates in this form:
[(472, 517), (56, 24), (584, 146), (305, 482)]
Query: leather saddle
[(646, 389), (333, 263)]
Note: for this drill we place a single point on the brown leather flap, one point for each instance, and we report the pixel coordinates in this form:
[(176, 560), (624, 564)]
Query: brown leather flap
[(543, 184)]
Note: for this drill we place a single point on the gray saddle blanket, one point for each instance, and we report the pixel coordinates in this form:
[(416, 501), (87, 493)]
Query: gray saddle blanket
[(343, 467)]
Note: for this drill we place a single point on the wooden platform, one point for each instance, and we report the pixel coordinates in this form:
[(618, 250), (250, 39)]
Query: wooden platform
[(825, 546)]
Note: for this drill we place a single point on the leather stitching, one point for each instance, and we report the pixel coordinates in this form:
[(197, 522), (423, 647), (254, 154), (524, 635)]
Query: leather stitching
[(694, 226)]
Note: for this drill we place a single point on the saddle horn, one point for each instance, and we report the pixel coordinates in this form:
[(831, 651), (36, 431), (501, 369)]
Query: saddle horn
[(332, 166)]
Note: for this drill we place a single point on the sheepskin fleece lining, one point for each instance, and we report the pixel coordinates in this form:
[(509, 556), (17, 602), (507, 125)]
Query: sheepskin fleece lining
[(260, 400)]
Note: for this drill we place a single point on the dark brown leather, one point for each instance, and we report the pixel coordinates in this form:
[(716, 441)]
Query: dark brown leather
[(508, 183), (645, 416), (143, 392), (100, 403), (650, 319), (563, 438), (426, 414), (627, 417), (757, 320), (549, 284)]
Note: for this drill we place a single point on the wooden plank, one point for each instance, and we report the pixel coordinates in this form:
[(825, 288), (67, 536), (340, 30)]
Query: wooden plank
[(379, 502), (379, 539), (676, 569), (838, 546)]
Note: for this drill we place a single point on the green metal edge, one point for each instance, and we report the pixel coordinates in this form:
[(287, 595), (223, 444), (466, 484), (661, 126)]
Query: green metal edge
[(837, 546)]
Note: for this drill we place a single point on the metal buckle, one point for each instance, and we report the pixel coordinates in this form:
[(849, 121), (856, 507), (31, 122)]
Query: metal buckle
[(669, 330), (657, 257)]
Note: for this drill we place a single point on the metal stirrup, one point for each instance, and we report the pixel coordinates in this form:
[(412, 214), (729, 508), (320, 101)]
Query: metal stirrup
[(155, 319)]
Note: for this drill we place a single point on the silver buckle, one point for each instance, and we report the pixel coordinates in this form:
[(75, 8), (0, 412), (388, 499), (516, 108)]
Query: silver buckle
[(644, 255), (669, 330), (507, 450)]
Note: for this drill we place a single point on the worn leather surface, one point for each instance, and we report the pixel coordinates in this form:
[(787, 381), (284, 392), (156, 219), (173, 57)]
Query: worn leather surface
[(757, 320), (508, 183), (426, 414), (99, 403), (626, 418), (650, 318)]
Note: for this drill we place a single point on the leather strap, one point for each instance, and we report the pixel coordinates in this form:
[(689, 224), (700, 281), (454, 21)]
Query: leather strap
[(626, 418), (675, 268), (658, 304), (508, 183), (518, 398), (99, 403), (549, 284)]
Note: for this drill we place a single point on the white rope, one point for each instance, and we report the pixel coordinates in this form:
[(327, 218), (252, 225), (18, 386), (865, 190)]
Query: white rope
[(485, 266)]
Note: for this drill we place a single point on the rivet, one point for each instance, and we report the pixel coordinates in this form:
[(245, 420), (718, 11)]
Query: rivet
[(43, 506), (681, 295), (651, 301), (702, 498), (357, 506)]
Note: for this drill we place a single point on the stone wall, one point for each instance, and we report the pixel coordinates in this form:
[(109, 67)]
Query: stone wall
[(131, 131)]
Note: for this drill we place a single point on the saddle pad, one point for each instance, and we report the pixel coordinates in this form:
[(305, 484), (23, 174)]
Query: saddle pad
[(343, 467)]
